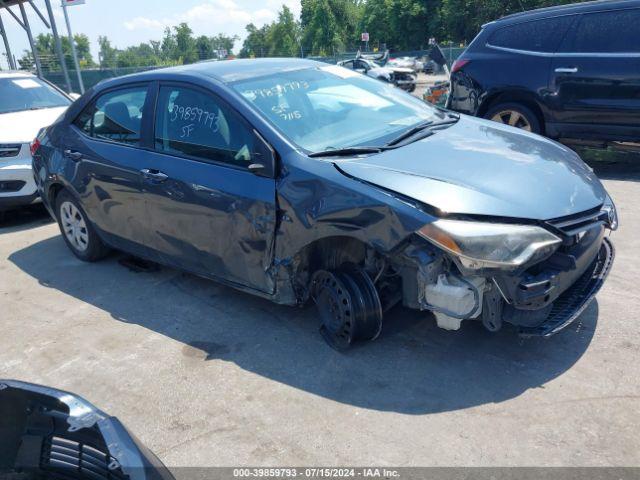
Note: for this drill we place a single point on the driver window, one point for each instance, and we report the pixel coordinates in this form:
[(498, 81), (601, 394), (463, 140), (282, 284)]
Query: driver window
[(116, 116), (193, 123)]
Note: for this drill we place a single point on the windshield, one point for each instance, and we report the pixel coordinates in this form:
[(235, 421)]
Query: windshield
[(331, 107), (28, 93)]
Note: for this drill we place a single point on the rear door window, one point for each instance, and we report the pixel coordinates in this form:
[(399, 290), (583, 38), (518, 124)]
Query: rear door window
[(535, 36), (115, 116), (606, 32)]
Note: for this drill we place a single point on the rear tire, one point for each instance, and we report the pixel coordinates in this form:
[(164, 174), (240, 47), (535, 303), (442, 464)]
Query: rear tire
[(77, 230), (515, 115)]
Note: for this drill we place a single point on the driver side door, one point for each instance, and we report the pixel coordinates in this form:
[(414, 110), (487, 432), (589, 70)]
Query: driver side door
[(211, 211)]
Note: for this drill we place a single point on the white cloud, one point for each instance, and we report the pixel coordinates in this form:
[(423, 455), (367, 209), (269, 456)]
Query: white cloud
[(143, 23), (216, 16)]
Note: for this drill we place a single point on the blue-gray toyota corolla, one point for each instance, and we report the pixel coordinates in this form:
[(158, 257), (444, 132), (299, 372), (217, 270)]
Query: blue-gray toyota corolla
[(305, 182)]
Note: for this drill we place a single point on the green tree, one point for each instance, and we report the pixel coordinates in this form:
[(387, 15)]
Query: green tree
[(224, 42), (83, 49), (185, 51), (168, 45), (255, 44), (461, 20), (204, 47), (108, 55), (330, 25), (283, 35), (45, 46)]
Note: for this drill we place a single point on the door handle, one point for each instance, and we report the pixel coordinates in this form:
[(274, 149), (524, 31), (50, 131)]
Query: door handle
[(75, 156), (155, 175), (567, 70)]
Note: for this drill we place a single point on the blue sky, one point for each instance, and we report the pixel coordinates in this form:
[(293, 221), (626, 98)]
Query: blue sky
[(129, 22)]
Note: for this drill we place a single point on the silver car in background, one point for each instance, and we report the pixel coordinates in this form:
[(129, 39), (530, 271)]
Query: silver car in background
[(27, 104)]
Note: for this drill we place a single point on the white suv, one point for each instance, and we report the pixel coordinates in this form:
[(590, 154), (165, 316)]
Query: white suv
[(27, 104)]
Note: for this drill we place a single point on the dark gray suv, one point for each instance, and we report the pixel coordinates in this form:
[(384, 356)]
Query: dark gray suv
[(567, 72)]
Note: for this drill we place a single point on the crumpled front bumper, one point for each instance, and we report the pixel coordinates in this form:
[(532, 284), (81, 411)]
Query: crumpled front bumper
[(570, 305), (56, 434)]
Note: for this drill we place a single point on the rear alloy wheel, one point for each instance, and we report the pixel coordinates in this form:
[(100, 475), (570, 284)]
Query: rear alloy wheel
[(349, 307), (515, 115), (77, 231)]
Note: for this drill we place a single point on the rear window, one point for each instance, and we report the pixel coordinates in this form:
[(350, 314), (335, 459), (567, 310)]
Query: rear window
[(28, 93), (535, 36), (606, 32)]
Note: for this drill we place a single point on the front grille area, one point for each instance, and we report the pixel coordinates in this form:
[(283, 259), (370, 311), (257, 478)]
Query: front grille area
[(11, 150), (67, 459), (576, 299), (11, 186), (572, 225)]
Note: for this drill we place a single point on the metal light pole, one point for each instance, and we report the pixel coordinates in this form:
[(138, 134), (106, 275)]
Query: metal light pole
[(34, 50), (7, 47), (73, 46), (58, 46)]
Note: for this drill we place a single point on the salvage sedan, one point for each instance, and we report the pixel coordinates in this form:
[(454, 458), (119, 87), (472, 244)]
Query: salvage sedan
[(300, 181)]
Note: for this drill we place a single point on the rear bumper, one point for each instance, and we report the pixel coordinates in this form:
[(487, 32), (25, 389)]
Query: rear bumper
[(576, 298), (7, 203)]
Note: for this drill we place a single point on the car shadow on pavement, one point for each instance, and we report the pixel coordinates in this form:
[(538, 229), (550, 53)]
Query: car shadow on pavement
[(24, 218), (609, 165), (413, 368)]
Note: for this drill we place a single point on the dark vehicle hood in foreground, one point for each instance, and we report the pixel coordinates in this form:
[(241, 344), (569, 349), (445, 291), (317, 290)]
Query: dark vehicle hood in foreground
[(49, 433), (484, 168)]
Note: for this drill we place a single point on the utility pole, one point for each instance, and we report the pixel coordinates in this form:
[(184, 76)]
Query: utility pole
[(73, 45)]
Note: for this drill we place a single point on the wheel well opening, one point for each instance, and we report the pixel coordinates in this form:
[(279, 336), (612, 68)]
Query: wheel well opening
[(54, 190), (331, 252), (327, 254)]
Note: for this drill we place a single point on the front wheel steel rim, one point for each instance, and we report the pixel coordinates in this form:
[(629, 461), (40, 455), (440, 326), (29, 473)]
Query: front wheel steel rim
[(74, 226), (512, 118)]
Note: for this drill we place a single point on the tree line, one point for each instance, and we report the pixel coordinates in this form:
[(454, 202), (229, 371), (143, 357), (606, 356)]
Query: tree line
[(325, 28)]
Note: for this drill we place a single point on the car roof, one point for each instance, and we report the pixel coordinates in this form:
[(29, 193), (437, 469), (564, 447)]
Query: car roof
[(225, 71), (574, 8)]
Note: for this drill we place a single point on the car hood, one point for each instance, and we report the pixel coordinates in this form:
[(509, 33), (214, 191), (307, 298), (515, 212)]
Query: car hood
[(22, 127), (484, 168)]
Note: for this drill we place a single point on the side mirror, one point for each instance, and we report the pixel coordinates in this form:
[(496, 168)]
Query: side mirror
[(264, 158)]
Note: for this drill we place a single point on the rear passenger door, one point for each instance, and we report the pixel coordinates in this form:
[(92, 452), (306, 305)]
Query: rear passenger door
[(517, 60), (209, 212), (104, 147), (596, 77)]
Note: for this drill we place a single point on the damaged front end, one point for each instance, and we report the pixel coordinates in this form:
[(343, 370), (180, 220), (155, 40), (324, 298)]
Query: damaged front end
[(48, 433), (537, 277)]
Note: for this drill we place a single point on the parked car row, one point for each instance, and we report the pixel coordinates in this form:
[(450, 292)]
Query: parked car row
[(303, 182), (401, 77)]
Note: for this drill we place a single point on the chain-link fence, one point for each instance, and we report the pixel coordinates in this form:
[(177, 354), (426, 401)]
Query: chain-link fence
[(92, 76)]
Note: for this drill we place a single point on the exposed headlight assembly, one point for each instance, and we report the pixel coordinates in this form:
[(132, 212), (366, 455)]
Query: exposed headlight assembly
[(612, 214), (481, 245)]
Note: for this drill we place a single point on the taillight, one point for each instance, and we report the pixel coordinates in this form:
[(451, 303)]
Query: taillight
[(35, 146), (458, 64)]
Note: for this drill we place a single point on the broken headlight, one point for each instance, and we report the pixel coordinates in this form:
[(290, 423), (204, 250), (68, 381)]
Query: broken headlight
[(480, 245), (612, 214)]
